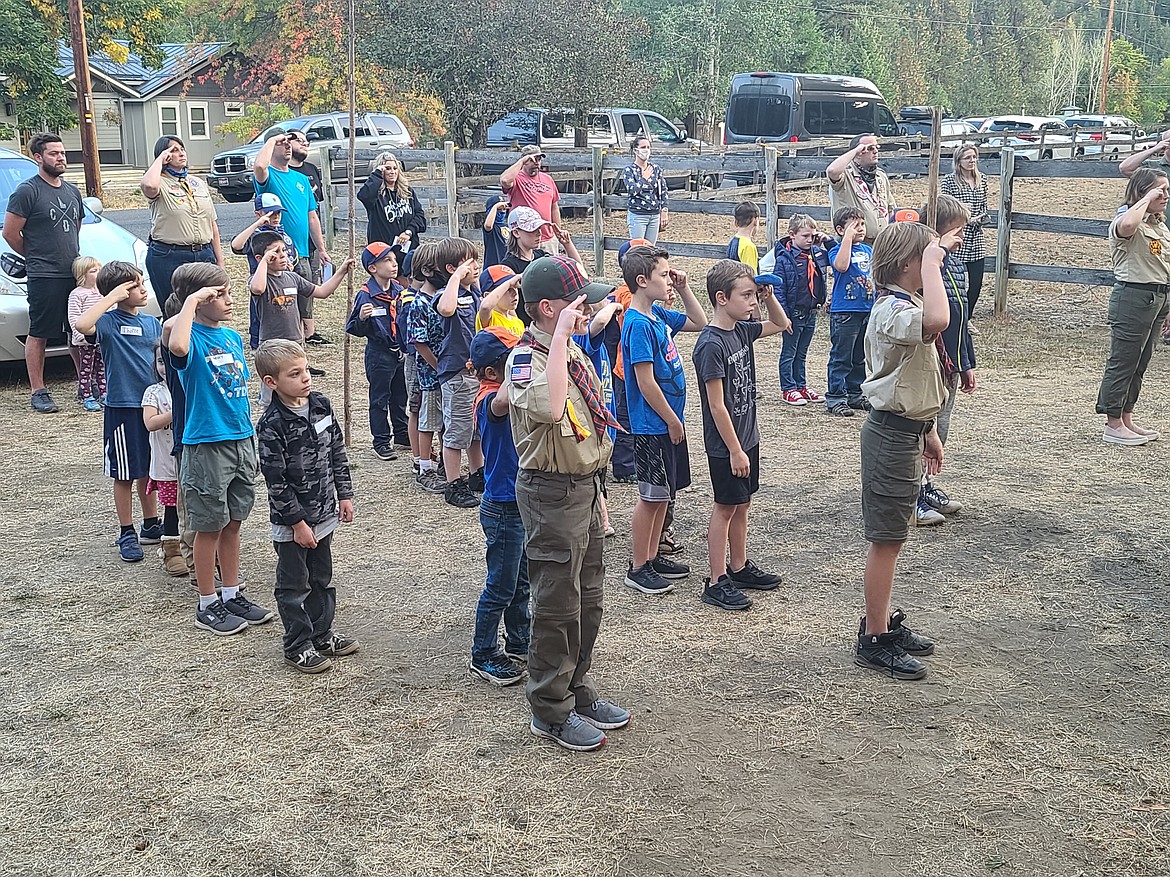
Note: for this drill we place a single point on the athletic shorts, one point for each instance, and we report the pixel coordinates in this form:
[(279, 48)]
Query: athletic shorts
[(218, 481), (127, 444), (891, 477), (430, 412), (459, 426), (305, 302), (413, 390), (48, 307), (729, 489), (663, 467)]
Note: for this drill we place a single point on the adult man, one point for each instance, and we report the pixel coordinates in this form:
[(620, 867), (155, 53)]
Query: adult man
[(1156, 156), (43, 224), (300, 152), (855, 180), (526, 185)]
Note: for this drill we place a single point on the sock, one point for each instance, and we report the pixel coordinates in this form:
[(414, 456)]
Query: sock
[(428, 466), (229, 593), (170, 521), (204, 602), (126, 528), (151, 522)]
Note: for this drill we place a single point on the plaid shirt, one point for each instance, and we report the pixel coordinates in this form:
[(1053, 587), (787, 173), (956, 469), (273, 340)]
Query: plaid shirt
[(974, 244)]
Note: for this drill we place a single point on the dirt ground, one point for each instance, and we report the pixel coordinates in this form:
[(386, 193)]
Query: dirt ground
[(133, 744)]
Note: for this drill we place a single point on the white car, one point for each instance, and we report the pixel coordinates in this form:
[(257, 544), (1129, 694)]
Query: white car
[(1033, 137), (99, 237), (1112, 135)]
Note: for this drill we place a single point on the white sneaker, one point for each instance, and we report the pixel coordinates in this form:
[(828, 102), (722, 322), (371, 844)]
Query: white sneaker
[(925, 516), (1122, 436)]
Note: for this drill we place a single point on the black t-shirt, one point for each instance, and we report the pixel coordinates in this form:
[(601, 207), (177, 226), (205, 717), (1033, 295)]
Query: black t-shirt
[(52, 225), (518, 265), (728, 354), (311, 171)]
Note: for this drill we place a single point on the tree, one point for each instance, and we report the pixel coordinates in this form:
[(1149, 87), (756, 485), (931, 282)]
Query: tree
[(1127, 67)]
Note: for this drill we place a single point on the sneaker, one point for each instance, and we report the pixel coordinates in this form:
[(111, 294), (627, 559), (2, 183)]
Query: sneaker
[(647, 580), (442, 470), (476, 481), (1114, 436), (608, 531), (795, 398), (939, 501), (861, 404), (752, 578), (973, 329), (151, 535), (516, 653), (244, 608), (667, 544), (1151, 434), (43, 403), (218, 620), (129, 549), (839, 409), (335, 645), (882, 652), (670, 569), (498, 669), (573, 733), (90, 404), (624, 479), (308, 660), (458, 494), (317, 338), (317, 373), (431, 482), (811, 396), (925, 516), (604, 715), (912, 643), (384, 452), (725, 595)]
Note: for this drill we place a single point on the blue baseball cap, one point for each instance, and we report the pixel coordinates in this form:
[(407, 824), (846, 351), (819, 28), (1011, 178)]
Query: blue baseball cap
[(267, 202), (625, 248)]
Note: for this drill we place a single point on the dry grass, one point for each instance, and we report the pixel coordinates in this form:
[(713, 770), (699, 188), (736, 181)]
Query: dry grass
[(131, 744)]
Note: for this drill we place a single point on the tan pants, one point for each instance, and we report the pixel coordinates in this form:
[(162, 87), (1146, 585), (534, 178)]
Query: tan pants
[(566, 568)]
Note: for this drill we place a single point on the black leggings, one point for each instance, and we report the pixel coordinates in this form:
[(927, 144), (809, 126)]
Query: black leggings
[(974, 284), (170, 521)]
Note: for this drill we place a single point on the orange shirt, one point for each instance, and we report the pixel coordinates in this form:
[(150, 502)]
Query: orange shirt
[(623, 296)]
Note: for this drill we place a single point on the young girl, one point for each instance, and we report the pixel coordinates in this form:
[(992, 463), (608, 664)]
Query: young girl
[(164, 474), (91, 370)]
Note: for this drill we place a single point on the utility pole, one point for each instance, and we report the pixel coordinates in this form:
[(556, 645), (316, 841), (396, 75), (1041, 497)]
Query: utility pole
[(86, 123), (1105, 59)]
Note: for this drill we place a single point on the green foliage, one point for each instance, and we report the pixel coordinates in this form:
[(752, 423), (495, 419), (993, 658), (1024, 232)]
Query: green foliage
[(256, 118)]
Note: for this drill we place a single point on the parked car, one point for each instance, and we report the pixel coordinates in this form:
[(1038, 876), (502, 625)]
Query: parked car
[(1106, 134), (1025, 133), (231, 170), (99, 237), (769, 107), (917, 121)]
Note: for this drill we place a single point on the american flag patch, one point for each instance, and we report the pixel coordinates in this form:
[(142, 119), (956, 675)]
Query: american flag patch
[(522, 366)]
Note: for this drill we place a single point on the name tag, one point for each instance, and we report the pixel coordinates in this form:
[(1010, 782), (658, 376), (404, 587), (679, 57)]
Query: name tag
[(131, 330), (290, 290), (378, 312), (221, 359), (323, 424)]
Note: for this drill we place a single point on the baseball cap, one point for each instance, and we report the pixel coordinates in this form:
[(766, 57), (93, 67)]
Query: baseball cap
[(525, 219), (493, 276), (268, 202), (769, 280), (532, 150), (376, 252), (559, 279), (906, 214), (625, 248), (491, 345)]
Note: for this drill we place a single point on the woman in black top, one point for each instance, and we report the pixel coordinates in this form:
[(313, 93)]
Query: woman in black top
[(394, 215)]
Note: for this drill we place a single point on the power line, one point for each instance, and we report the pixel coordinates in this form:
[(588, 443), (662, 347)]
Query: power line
[(1013, 28)]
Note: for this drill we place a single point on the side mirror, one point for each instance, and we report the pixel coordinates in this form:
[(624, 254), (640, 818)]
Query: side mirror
[(312, 135), (683, 136), (94, 205)]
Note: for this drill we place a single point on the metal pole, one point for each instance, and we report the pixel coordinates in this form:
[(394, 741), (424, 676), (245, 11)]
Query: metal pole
[(89, 148), (351, 169)]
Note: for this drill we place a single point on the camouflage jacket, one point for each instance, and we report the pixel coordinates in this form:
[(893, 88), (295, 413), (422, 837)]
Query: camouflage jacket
[(303, 461)]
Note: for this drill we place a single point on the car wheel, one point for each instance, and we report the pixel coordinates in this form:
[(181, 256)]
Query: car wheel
[(1080, 152)]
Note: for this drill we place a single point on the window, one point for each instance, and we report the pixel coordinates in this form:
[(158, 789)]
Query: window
[(599, 126), (756, 113), (360, 129), (661, 130), (519, 126), (388, 125), (887, 126), (631, 125), (840, 117), (233, 108), (168, 119), (323, 130), (197, 121), (556, 126)]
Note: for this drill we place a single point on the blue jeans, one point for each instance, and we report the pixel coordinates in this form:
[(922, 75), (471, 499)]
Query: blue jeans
[(162, 260), (387, 395), (643, 226), (794, 348), (506, 592), (623, 443), (846, 357)]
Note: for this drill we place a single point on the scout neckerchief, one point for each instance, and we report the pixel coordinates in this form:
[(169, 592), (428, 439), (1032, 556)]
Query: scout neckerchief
[(873, 194), (944, 360), (389, 297), (603, 419), (181, 176)]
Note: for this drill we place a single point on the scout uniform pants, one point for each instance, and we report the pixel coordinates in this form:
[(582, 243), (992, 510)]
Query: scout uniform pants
[(1135, 315), (566, 568)]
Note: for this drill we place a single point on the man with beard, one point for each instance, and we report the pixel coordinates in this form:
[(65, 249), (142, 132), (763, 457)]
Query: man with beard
[(855, 180), (527, 185), (299, 144), (42, 224)]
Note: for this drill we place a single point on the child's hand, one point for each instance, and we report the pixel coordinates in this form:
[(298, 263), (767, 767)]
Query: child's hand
[(678, 279), (345, 511), (967, 381), (932, 456), (121, 292), (857, 229), (675, 429), (344, 266), (561, 235), (268, 219), (270, 259), (934, 254), (741, 466), (365, 311), (303, 535), (572, 320), (951, 240)]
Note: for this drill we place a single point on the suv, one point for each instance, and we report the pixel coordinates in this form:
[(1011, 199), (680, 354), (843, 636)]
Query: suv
[(1024, 133), (1106, 134), (231, 171)]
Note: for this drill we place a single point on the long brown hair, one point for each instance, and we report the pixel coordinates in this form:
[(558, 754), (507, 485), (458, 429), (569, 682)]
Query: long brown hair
[(402, 187), (1143, 179), (957, 158)]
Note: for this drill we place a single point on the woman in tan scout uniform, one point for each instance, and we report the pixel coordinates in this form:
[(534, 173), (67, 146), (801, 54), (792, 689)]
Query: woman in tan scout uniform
[(183, 225), (560, 425), (1139, 243)]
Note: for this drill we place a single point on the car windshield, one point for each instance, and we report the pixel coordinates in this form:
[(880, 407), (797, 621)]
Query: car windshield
[(1005, 125), (1085, 123), (13, 172)]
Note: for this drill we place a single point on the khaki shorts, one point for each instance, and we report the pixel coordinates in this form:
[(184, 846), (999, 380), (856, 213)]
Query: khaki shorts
[(459, 428), (218, 480), (430, 412), (891, 477)]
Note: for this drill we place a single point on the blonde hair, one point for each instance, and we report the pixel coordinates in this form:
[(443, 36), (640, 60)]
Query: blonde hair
[(272, 355), (896, 246), (957, 158), (949, 212), (799, 221), (82, 265), (402, 186)]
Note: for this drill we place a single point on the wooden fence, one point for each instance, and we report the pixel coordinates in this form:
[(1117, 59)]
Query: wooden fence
[(451, 201)]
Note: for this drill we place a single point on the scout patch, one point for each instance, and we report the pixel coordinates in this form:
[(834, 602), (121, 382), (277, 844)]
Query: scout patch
[(522, 366), (1155, 248)]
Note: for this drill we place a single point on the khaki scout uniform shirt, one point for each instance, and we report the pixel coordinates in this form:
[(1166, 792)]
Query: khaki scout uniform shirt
[(1143, 258), (902, 368), (875, 202), (544, 438), (181, 217)]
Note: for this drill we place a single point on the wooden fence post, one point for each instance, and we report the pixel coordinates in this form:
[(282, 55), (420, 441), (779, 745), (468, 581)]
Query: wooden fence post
[(933, 169), (771, 213), (327, 205), (452, 190), (598, 212), (1003, 242)]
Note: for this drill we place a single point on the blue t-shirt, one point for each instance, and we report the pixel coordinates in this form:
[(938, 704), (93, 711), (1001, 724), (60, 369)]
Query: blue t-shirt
[(214, 375), (852, 289), (495, 248), (500, 461), (296, 195), (595, 349), (651, 339), (127, 343), (458, 330)]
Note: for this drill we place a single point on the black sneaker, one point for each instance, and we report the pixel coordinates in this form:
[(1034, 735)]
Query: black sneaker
[(317, 338), (670, 569), (336, 645), (751, 577), (646, 580), (308, 660), (317, 373), (725, 595), (498, 669), (458, 494), (518, 653), (385, 452), (882, 652), (839, 409), (476, 481), (861, 404), (912, 643), (43, 403)]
